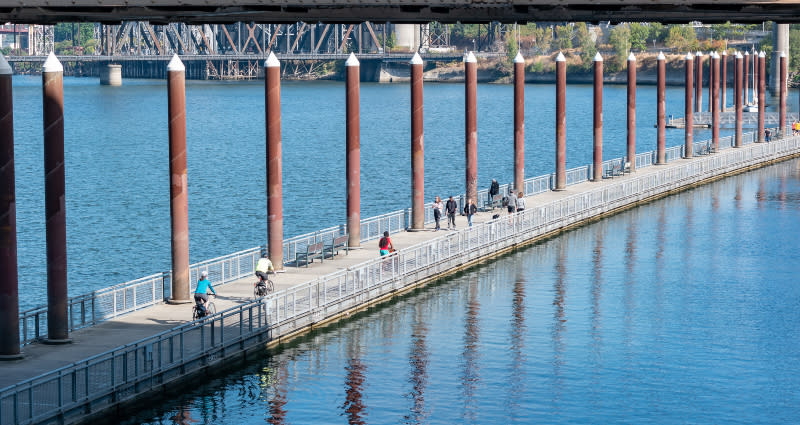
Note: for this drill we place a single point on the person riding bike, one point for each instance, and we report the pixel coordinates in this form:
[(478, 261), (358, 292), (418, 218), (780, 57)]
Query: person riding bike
[(201, 293), (263, 267)]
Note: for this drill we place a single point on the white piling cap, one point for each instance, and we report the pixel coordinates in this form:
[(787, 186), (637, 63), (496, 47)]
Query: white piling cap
[(783, 54), (689, 56), (699, 53), (560, 57), (746, 53), (52, 64), (598, 57), (632, 57), (470, 58), (175, 64), (762, 54), (518, 58), (5, 68), (416, 59), (739, 55), (272, 61), (660, 56), (352, 60), (724, 53), (714, 55)]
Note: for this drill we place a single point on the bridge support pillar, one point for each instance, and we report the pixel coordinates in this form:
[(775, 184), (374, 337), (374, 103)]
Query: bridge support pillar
[(9, 279), (54, 188), (737, 97), (782, 92), (353, 142), (519, 124), (762, 101), (417, 146), (661, 155), (111, 75), (714, 84), (780, 44), (471, 127), (631, 145), (724, 89), (698, 82), (597, 151), (688, 147), (179, 194), (272, 101), (561, 122)]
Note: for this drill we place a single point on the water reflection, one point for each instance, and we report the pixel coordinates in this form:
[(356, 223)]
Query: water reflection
[(559, 319), (471, 374), (518, 331), (184, 416), (274, 381), (354, 407), (418, 360)]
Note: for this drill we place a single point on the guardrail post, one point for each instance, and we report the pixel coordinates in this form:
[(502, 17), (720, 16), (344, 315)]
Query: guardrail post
[(9, 279)]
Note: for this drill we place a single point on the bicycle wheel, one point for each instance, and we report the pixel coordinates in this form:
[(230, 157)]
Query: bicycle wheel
[(210, 309), (195, 313), (256, 292), (270, 286)]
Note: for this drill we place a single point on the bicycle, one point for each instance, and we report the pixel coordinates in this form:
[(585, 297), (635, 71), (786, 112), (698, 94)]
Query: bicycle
[(263, 287), (198, 313)]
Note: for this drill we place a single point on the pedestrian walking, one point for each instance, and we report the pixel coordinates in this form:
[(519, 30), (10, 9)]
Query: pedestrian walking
[(469, 210), (494, 189), (451, 206), (512, 202), (520, 202), (437, 211)]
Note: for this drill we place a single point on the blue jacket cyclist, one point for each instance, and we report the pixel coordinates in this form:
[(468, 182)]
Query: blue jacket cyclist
[(201, 293)]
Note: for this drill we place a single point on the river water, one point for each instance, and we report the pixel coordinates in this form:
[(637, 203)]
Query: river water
[(684, 310), (116, 149)]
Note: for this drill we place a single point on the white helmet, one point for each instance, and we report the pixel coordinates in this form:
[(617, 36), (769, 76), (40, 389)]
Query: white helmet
[(204, 273)]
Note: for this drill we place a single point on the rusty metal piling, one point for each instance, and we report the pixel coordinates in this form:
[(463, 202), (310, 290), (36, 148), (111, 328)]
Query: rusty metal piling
[(417, 146), (714, 84), (353, 142), (737, 97), (561, 122), (631, 143), (471, 126), (179, 191), (782, 90), (519, 122), (698, 81), (272, 87), (597, 151), (724, 73), (762, 88), (661, 156), (689, 127)]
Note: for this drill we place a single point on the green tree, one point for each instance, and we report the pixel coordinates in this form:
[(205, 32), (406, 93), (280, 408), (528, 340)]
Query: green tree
[(658, 31), (794, 47), (619, 38), (585, 44), (682, 38), (639, 33), (511, 47), (542, 38), (563, 39)]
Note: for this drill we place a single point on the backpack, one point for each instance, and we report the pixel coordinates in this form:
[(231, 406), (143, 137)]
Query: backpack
[(382, 242)]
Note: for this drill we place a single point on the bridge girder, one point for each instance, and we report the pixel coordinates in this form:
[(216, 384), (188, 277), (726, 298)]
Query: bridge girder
[(402, 11)]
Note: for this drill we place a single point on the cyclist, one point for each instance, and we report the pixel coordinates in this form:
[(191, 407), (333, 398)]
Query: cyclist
[(201, 293), (263, 267)]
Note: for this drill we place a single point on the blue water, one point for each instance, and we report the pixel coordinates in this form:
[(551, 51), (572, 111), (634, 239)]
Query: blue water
[(117, 162), (684, 310)]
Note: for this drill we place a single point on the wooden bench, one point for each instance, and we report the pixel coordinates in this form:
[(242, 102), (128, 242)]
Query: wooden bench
[(336, 245), (495, 202), (313, 251)]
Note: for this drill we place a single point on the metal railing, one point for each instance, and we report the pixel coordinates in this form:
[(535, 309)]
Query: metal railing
[(122, 373)]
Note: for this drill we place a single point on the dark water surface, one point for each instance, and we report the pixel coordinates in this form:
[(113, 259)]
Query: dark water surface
[(117, 162), (684, 310)]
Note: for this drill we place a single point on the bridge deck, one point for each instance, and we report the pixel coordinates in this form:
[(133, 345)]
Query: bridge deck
[(41, 358)]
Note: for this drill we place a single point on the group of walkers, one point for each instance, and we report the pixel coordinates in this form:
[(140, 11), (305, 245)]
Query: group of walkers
[(450, 208)]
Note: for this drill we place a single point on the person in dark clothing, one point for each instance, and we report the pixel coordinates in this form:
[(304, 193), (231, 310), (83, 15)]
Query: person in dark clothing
[(470, 209), (451, 207), (494, 189)]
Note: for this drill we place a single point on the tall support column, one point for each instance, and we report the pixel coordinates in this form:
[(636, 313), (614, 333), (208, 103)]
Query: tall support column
[(519, 123), (762, 87), (561, 122), (738, 87), (714, 83), (9, 279), (724, 92), (698, 82), (711, 77), (417, 146), (598, 119), (631, 145), (661, 153), (179, 191), (780, 45), (54, 194), (471, 126), (782, 91), (746, 78), (353, 137), (689, 127), (272, 87)]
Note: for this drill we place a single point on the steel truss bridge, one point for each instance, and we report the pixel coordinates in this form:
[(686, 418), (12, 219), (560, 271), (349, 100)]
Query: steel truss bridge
[(403, 11)]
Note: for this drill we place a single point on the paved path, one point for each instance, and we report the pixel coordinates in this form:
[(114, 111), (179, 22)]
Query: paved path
[(42, 358)]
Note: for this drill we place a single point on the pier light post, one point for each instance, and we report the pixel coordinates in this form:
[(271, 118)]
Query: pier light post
[(519, 122), (417, 146), (179, 190), (762, 88), (782, 91), (714, 84), (698, 81), (724, 73), (746, 78), (631, 145), (471, 126), (737, 97), (688, 107), (272, 87), (598, 119), (661, 156), (561, 122), (54, 194), (353, 137), (9, 279)]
